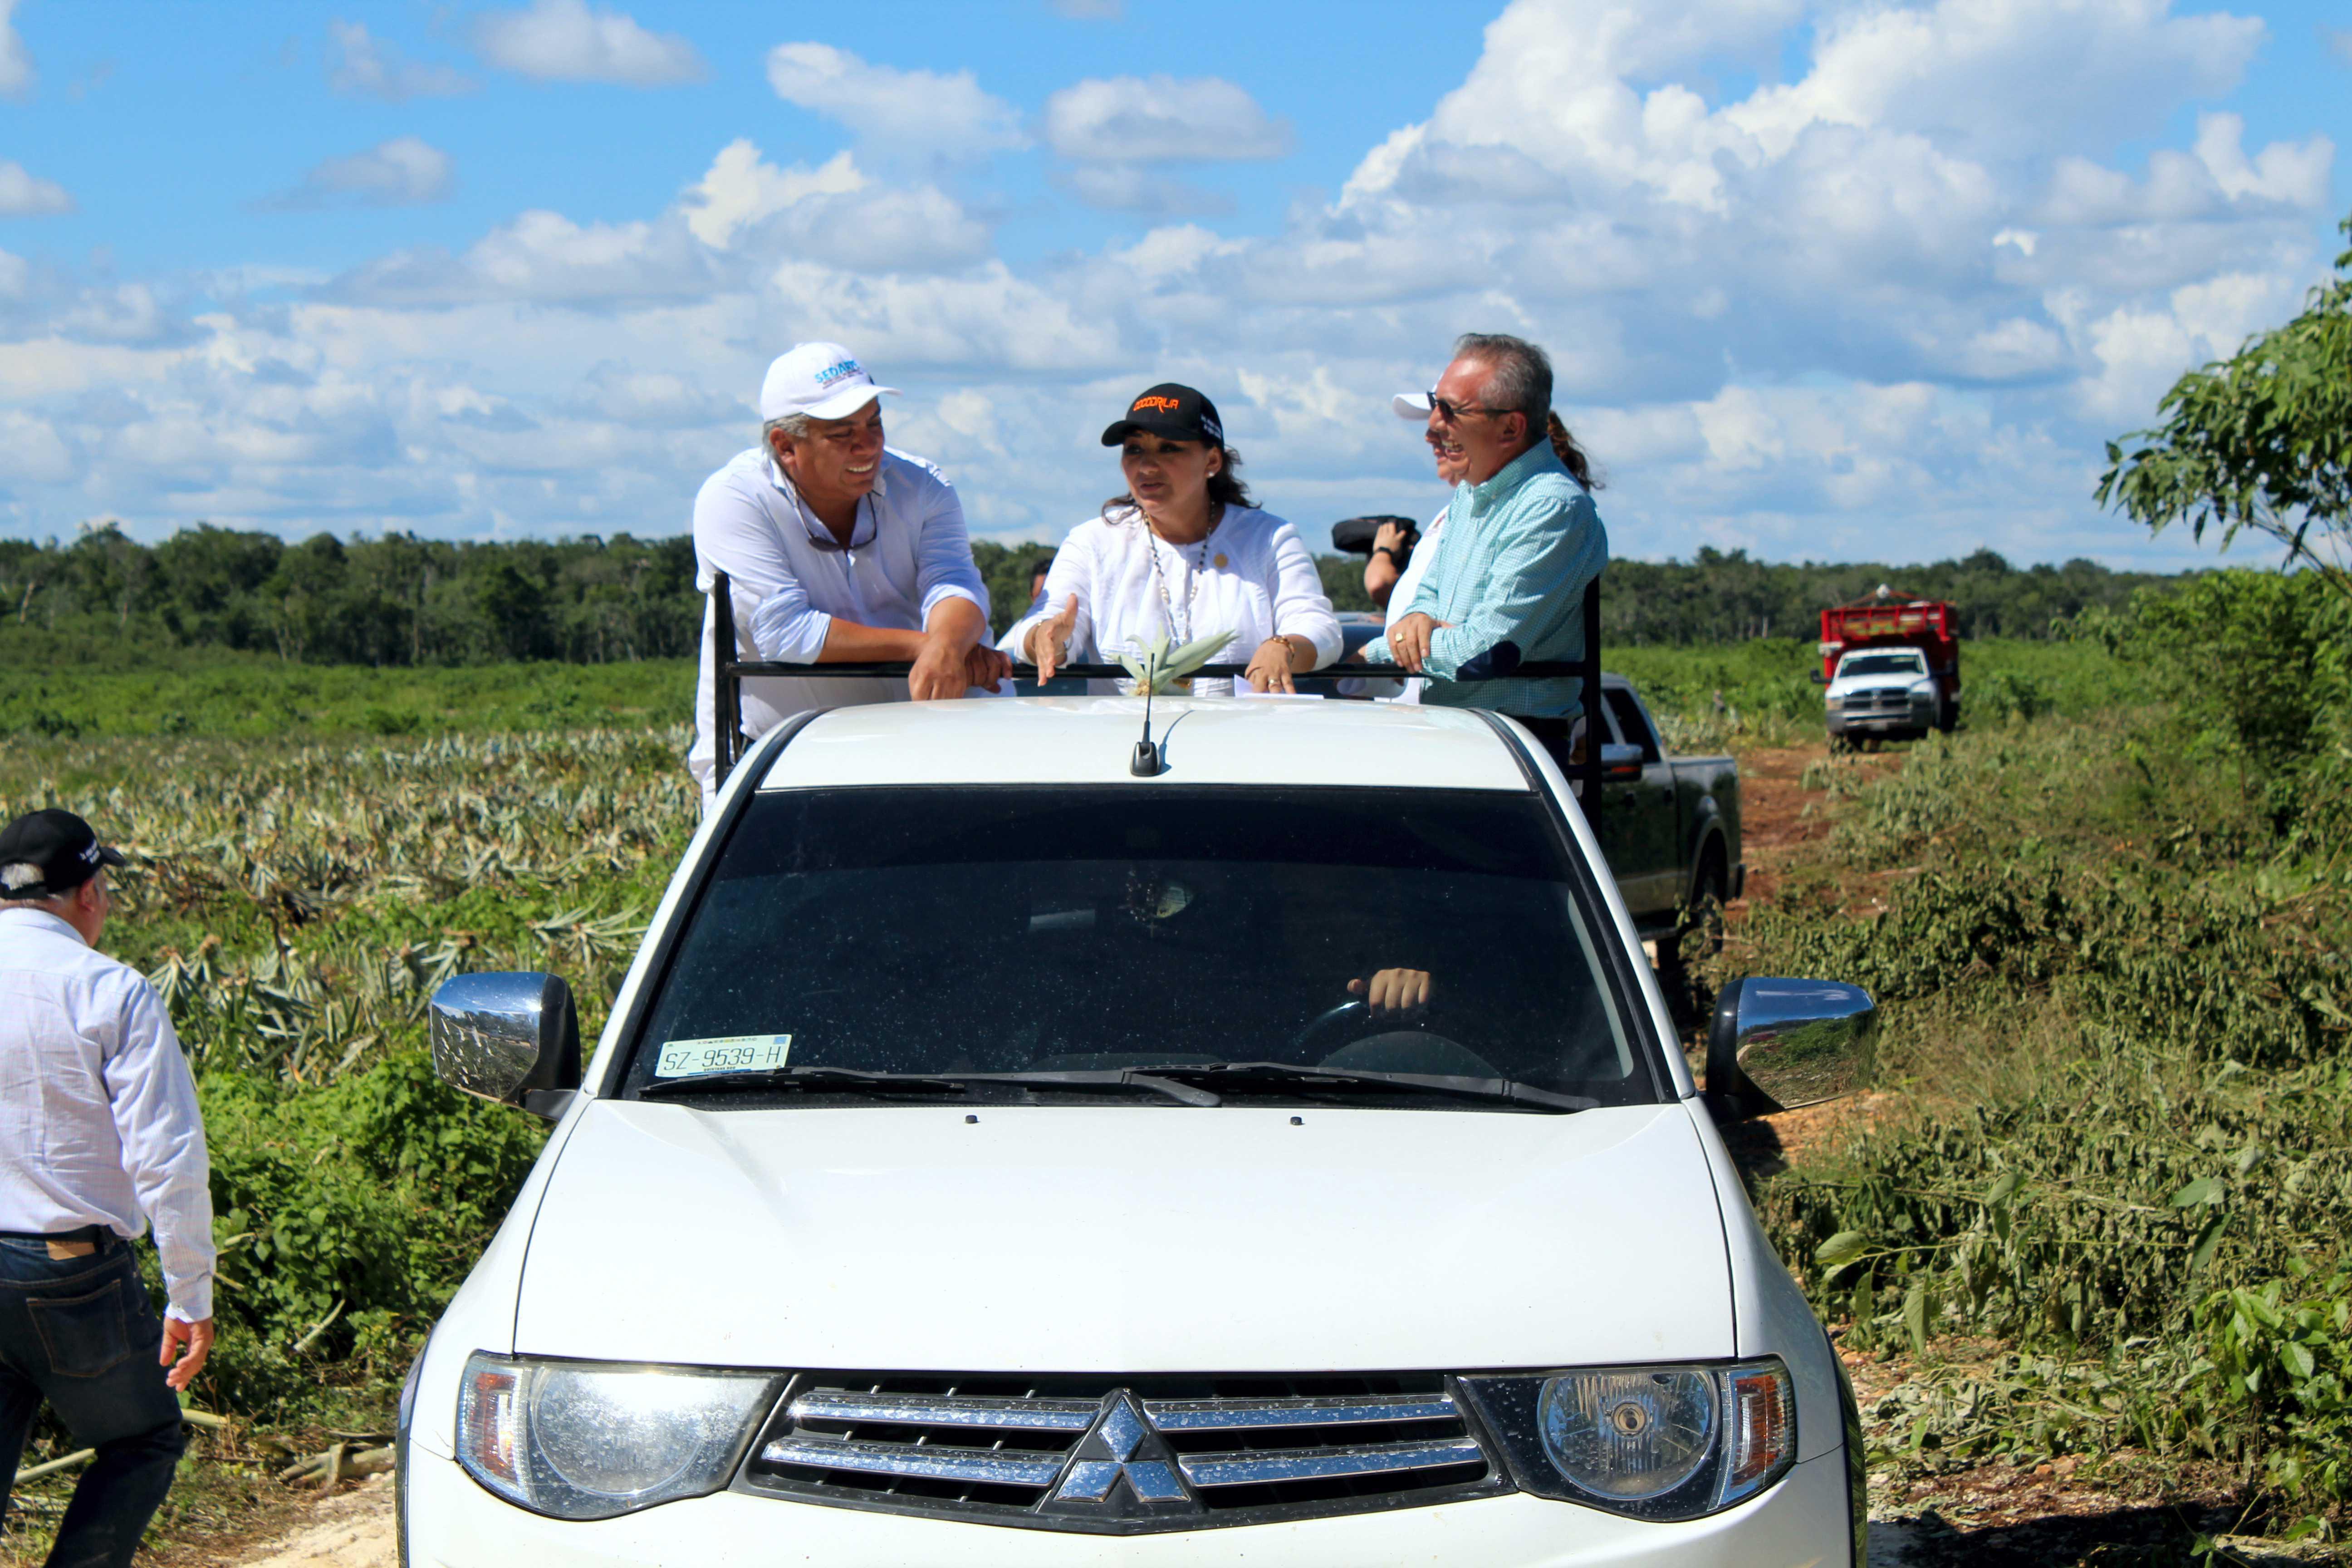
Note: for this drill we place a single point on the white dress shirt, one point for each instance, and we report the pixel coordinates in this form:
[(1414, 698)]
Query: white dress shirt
[(789, 577), (98, 1123), (1251, 576)]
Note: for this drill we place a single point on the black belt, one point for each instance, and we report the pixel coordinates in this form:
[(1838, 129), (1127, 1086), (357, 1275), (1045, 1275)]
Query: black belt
[(97, 1234)]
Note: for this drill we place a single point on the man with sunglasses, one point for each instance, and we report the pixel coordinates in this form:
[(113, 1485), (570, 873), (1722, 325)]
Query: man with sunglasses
[(1522, 540), (837, 550)]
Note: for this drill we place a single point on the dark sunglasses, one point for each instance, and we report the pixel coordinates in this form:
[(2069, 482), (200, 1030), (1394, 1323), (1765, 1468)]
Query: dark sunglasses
[(1449, 411)]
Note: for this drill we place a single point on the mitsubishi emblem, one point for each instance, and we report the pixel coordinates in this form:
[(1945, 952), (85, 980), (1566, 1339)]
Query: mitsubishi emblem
[(1122, 1446)]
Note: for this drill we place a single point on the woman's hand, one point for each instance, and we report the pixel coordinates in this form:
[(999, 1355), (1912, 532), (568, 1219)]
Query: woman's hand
[(1048, 642), (1393, 992), (1269, 667)]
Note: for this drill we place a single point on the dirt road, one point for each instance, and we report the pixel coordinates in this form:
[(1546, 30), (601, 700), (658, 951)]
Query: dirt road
[(354, 1530)]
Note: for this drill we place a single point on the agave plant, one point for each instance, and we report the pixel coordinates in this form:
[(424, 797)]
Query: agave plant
[(1161, 670)]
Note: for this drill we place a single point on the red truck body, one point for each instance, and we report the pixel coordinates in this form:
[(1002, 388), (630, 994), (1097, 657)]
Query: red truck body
[(1896, 622)]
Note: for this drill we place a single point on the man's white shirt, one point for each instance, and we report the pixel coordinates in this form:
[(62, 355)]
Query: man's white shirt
[(1251, 576), (788, 578), (98, 1123)]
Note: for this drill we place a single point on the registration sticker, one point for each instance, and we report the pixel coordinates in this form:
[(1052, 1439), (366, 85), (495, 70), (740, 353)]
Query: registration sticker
[(728, 1053)]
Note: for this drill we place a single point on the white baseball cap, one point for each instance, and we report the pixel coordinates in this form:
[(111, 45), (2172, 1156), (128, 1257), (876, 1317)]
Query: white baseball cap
[(1412, 405), (823, 381)]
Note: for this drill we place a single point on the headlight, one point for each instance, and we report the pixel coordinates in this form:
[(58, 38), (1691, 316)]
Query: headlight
[(1836, 702), (592, 1439), (1656, 1442)]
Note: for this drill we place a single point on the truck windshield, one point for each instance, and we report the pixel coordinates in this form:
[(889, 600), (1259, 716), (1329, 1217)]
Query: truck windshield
[(944, 932), (1882, 664)]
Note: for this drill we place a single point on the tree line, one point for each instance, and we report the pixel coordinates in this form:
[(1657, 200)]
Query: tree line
[(400, 600)]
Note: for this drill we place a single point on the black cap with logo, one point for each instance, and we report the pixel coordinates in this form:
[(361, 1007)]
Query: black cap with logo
[(1174, 412), (45, 853)]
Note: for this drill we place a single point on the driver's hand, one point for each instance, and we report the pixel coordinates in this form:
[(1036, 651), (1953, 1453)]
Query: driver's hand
[(1393, 992)]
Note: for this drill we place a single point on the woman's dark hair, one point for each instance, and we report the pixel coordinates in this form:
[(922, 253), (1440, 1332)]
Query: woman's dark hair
[(1226, 487), (1571, 456)]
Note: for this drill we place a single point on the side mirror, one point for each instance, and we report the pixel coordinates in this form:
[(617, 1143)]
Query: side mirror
[(1820, 680), (1777, 1044), (1620, 762), (514, 1039)]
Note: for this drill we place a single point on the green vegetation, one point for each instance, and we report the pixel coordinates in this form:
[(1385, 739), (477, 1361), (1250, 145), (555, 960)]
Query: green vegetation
[(1763, 690), (2261, 440), (2105, 1209), (216, 694), (2102, 1212), (105, 602)]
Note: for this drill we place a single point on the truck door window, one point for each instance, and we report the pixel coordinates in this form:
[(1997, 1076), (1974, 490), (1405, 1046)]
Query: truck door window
[(1631, 723)]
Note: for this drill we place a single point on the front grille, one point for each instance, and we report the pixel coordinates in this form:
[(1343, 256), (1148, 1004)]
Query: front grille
[(1121, 1455)]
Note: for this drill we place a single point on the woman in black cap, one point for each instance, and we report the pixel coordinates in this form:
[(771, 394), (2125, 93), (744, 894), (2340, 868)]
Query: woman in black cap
[(1184, 552)]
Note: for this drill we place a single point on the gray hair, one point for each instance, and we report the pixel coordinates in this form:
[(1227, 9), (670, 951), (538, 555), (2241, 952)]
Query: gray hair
[(1519, 375), (796, 427)]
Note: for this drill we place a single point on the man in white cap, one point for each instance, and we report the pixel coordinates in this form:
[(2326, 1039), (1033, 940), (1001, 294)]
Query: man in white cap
[(837, 550)]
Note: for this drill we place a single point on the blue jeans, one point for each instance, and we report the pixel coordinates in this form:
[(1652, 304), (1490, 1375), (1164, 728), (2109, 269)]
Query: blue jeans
[(81, 1334)]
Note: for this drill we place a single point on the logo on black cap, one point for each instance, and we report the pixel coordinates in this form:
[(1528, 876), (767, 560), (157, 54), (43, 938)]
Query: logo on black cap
[(1172, 410)]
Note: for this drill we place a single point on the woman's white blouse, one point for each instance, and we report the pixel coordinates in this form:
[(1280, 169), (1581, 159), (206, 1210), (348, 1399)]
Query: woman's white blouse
[(1255, 577)]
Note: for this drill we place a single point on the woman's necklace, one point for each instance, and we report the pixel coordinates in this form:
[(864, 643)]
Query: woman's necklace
[(1183, 632)]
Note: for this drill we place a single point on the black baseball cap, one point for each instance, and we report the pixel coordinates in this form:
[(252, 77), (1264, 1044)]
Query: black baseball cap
[(45, 853), (1176, 412)]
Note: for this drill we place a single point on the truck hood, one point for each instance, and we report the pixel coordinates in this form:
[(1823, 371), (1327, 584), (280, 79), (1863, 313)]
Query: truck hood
[(1126, 1239)]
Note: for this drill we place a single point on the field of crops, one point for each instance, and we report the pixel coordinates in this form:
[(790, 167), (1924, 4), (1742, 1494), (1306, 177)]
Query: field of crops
[(2093, 1216)]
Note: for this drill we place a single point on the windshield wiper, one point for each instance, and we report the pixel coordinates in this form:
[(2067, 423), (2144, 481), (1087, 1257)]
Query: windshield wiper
[(1313, 1080), (1154, 1080), (822, 1079)]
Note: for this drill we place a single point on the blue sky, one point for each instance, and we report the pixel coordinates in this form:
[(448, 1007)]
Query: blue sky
[(1825, 280)]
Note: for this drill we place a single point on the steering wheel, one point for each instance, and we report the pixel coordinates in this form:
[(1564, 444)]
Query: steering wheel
[(1351, 1008), (1445, 1057)]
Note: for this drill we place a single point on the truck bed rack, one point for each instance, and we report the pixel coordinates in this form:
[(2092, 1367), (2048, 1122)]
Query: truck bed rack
[(727, 675)]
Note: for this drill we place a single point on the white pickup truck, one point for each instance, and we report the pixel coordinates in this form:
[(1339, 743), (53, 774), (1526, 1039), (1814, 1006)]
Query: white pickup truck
[(1001, 1154), (1882, 694)]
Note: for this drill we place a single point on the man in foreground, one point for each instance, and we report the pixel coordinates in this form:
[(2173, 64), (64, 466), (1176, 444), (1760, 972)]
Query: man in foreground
[(1521, 542), (99, 1132), (837, 550)]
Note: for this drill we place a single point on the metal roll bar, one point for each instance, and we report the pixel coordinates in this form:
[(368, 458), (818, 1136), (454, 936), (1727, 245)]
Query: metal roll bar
[(727, 674)]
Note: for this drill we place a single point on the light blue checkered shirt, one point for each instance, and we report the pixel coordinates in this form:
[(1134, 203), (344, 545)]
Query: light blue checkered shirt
[(1511, 566)]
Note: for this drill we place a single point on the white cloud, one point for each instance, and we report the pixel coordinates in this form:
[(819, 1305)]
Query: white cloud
[(1160, 120), (1124, 187), (2195, 185), (917, 111), (367, 68), (2339, 41), (740, 188), (26, 196), (565, 40), (31, 452), (1889, 305), (16, 74), (403, 172)]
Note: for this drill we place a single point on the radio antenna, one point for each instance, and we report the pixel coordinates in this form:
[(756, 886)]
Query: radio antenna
[(1155, 666)]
